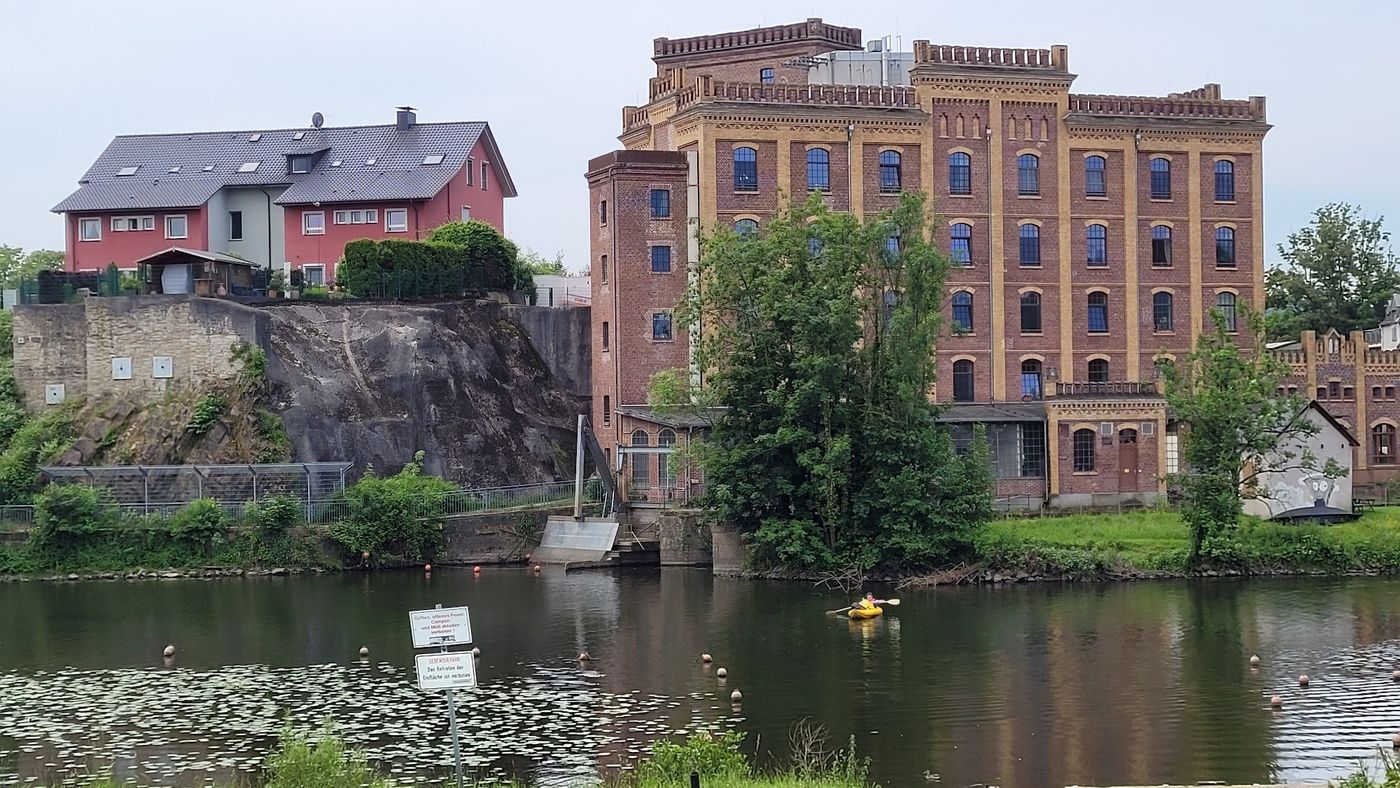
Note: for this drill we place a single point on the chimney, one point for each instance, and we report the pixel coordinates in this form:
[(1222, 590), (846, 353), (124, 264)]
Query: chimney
[(405, 118)]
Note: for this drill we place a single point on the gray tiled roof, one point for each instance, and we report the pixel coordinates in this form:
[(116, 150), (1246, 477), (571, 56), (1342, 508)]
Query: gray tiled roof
[(397, 174)]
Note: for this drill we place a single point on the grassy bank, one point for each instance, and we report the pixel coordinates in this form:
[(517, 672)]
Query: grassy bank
[(1092, 545)]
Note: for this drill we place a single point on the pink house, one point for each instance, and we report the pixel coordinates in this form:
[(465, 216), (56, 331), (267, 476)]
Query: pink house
[(282, 197)]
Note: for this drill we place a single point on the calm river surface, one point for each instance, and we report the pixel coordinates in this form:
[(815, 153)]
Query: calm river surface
[(1032, 685)]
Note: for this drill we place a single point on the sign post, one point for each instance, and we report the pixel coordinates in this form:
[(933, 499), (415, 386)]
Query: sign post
[(445, 669)]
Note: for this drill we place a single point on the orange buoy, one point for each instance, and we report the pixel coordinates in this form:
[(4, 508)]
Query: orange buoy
[(1276, 702), (1303, 680), (476, 570)]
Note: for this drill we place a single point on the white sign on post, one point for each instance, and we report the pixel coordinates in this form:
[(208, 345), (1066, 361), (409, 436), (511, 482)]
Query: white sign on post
[(443, 626), (448, 670)]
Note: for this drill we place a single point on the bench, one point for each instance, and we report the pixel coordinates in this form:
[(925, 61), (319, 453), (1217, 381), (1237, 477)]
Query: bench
[(1362, 504)]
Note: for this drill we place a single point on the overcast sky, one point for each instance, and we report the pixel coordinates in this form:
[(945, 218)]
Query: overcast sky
[(551, 78)]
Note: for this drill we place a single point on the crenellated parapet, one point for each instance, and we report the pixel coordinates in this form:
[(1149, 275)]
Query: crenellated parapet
[(812, 31)]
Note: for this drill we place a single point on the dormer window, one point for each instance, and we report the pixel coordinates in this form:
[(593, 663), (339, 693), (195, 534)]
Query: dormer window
[(127, 171), (435, 159), (300, 164), (249, 166)]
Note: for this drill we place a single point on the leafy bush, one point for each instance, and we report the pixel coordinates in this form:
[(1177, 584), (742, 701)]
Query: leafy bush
[(395, 518), (298, 278), (38, 440), (277, 445), (64, 514), (328, 763), (254, 362), (713, 755), (206, 413), (274, 515), (199, 521)]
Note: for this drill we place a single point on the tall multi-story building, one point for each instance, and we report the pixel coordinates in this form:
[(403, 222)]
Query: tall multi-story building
[(1091, 234)]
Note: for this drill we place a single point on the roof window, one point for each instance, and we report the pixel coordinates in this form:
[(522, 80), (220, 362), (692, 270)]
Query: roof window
[(208, 168), (298, 135), (174, 169), (429, 161), (336, 163), (254, 137), (125, 171), (370, 162), (249, 166)]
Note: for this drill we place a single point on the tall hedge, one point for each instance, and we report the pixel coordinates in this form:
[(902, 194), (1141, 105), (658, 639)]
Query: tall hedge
[(456, 258)]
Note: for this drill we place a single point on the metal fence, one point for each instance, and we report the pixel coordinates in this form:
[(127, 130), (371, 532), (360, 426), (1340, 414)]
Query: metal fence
[(159, 487)]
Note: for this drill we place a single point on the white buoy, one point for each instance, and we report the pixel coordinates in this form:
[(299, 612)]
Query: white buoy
[(583, 656), (707, 658), (721, 673), (476, 652), (1395, 674), (736, 696), (364, 651), (169, 651), (1303, 680), (1276, 702), (1254, 661), (1395, 741)]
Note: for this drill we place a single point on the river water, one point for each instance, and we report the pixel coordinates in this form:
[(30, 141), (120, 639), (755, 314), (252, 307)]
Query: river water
[(1032, 685)]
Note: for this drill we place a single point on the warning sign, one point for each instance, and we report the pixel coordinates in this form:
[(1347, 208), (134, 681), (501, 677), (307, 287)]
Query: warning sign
[(441, 626), (449, 670)]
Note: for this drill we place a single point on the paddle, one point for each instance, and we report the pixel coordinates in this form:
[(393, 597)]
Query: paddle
[(891, 602)]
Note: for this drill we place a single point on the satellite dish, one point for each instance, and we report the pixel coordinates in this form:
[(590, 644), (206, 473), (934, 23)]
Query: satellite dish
[(317, 119)]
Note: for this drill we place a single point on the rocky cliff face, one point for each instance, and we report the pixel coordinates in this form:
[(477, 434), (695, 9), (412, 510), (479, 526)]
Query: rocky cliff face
[(459, 381)]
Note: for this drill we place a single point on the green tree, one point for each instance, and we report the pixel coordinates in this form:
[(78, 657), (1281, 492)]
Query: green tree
[(539, 264), (819, 336), (493, 253), (15, 264), (1236, 428), (1339, 272)]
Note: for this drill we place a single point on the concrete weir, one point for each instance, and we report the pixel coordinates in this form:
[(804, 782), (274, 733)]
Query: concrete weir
[(591, 543)]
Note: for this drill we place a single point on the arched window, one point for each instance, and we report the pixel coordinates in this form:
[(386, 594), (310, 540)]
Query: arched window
[(1028, 175), (1030, 244), (1030, 312), (1224, 247), (1098, 370), (959, 173), (1098, 312), (664, 470), (962, 311), (1161, 245), (818, 170), (815, 246), (1095, 180), (746, 227), (1030, 378), (963, 386), (765, 75), (1096, 244), (745, 170), (892, 248), (1225, 302), (1383, 444), (1084, 451), (641, 462), (1224, 181), (887, 304), (961, 247), (1162, 308), (890, 175), (1161, 179)]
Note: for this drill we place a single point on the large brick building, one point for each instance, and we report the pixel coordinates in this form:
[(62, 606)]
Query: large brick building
[(1092, 233)]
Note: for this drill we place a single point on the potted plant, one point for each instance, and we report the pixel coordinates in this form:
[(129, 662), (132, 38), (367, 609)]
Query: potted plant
[(298, 283), (276, 283)]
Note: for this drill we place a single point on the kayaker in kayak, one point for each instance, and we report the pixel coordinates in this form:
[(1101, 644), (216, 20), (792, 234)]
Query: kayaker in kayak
[(868, 603)]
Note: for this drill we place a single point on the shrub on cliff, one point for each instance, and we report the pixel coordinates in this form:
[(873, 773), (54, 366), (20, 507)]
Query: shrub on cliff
[(489, 251), (395, 518), (37, 441), (457, 257)]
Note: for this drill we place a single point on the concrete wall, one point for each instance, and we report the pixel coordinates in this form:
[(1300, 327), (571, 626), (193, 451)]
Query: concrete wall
[(685, 539), (728, 549), (75, 344), (562, 338), (499, 537)]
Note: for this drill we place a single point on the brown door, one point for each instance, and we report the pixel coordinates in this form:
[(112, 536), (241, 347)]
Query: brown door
[(1127, 461)]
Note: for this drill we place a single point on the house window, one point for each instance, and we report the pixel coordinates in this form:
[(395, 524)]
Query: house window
[(815, 246), (466, 213), (605, 335), (471, 167), (1030, 313), (660, 203), (1173, 452), (1098, 370), (301, 164), (765, 75), (313, 223), (661, 326), (341, 217), (963, 385), (1028, 175), (1095, 181), (1084, 451), (607, 410), (960, 173), (177, 226), (961, 246), (314, 275), (1096, 244), (603, 269), (1161, 179), (1224, 181), (396, 220), (235, 225), (745, 170), (888, 302), (641, 462), (892, 249), (603, 212), (371, 216), (1390, 392), (131, 224), (664, 472), (890, 175), (962, 311), (1224, 247), (661, 259), (1032, 449), (485, 170), (746, 228), (1161, 245), (1030, 244), (1225, 302), (818, 170), (1383, 444), (89, 229), (1334, 389), (1098, 313), (1030, 378), (1162, 307)]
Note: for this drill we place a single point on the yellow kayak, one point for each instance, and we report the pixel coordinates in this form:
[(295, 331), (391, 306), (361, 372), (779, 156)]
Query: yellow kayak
[(865, 612)]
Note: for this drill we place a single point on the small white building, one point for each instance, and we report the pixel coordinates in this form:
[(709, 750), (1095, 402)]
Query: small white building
[(1300, 493), (556, 290)]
